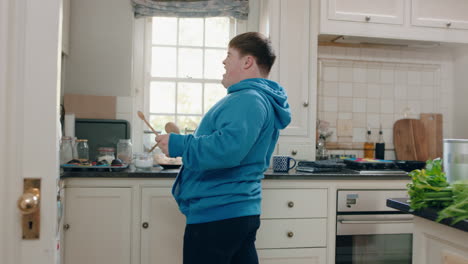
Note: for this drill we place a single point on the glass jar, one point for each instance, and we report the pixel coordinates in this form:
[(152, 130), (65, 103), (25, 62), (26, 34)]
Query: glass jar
[(143, 161), (125, 151), (82, 150), (106, 154), (66, 150)]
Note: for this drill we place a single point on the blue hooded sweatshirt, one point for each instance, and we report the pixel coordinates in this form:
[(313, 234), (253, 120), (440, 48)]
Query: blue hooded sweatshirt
[(225, 159)]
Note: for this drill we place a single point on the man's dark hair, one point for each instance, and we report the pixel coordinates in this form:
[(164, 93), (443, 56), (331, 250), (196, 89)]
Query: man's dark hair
[(256, 45)]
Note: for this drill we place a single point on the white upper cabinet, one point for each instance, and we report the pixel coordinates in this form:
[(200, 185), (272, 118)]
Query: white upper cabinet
[(442, 14), (289, 32), (65, 25), (368, 11), (422, 20)]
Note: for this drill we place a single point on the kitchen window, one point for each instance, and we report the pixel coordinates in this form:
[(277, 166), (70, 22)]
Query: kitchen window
[(184, 67)]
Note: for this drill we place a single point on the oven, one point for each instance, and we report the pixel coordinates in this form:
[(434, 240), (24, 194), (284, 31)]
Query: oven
[(367, 231)]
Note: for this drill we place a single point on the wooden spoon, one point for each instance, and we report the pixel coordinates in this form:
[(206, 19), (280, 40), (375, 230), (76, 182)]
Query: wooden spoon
[(170, 127), (142, 117)]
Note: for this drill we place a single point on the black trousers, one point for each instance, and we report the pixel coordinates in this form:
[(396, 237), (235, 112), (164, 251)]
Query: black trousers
[(230, 241)]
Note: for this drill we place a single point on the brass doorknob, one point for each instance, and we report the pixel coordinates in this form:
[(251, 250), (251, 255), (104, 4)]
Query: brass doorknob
[(28, 202)]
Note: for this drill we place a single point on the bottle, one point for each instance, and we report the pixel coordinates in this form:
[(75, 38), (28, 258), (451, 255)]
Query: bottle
[(82, 150), (380, 146), (124, 150), (105, 154), (368, 146)]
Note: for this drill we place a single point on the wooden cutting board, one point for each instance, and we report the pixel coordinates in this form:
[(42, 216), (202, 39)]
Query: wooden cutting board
[(409, 138), (433, 127)]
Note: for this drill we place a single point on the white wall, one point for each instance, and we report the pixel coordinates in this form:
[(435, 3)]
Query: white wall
[(100, 56), (460, 99), (373, 86)]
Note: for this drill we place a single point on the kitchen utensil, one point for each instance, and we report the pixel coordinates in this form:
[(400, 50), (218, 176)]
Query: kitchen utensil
[(170, 127), (369, 164), (409, 138), (142, 117), (433, 127), (410, 165)]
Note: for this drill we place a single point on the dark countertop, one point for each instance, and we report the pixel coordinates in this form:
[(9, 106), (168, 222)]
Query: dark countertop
[(159, 172), (427, 213)]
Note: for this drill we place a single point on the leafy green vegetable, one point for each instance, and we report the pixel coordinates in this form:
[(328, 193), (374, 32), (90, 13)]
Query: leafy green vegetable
[(459, 209), (429, 187)]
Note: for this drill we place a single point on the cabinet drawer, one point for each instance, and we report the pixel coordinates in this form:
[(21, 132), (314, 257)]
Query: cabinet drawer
[(292, 233), (292, 256), (294, 203)]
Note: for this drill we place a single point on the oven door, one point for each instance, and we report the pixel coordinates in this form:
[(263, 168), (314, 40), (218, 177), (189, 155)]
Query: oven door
[(383, 239)]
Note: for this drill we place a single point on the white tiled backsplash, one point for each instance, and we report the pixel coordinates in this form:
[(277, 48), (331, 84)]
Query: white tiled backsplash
[(361, 87)]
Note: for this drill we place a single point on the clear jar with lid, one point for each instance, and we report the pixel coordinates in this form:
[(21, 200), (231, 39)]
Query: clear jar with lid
[(66, 150), (82, 150), (125, 151), (106, 154)]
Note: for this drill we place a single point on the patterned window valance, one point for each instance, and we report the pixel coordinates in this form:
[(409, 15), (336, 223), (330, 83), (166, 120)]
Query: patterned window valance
[(238, 9)]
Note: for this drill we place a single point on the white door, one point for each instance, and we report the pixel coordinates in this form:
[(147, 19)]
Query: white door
[(162, 227), (29, 81), (98, 226)]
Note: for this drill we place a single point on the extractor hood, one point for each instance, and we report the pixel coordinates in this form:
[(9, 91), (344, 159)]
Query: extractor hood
[(384, 42)]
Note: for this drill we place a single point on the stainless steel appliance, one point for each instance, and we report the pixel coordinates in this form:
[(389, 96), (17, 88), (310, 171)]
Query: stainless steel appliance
[(456, 159), (367, 231)]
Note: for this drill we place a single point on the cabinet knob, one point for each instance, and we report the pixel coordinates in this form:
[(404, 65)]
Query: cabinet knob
[(305, 104), (367, 18), (290, 234), (448, 24), (145, 225), (294, 152), (66, 226), (291, 204)]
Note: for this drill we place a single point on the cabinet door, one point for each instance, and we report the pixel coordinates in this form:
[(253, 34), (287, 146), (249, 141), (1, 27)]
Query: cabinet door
[(97, 226), (442, 14), (65, 25), (289, 32), (370, 11), (162, 227), (292, 256)]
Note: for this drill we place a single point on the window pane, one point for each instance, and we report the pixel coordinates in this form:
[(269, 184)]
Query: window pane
[(188, 122), (162, 97), (213, 93), (217, 32), (159, 121), (214, 68), (191, 31), (164, 30), (163, 62), (190, 63), (189, 98)]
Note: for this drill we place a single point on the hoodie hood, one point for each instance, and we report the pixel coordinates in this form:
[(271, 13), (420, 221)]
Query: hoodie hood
[(273, 92)]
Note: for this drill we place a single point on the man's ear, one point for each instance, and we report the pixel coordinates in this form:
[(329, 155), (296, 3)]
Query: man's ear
[(248, 62)]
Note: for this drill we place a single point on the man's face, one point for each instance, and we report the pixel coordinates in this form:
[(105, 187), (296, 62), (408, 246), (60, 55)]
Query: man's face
[(233, 65)]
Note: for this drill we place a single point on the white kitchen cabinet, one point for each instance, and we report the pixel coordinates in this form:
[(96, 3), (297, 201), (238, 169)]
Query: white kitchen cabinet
[(367, 11), (293, 218), (435, 243), (417, 20), (162, 227), (292, 256), (450, 14), (97, 226), (65, 26), (293, 31)]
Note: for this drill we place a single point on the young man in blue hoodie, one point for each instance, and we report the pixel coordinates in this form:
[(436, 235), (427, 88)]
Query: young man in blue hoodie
[(219, 188)]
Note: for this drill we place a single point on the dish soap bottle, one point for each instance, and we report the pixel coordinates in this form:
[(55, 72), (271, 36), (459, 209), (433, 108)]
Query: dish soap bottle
[(368, 146), (380, 146)]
